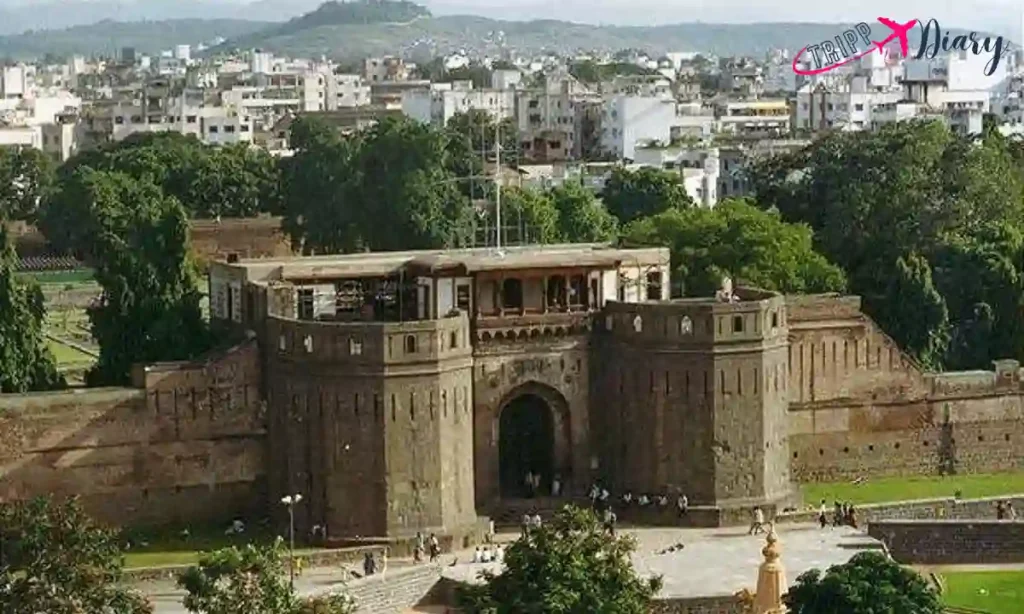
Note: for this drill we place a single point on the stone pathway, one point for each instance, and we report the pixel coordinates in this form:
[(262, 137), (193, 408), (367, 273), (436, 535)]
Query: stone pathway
[(720, 561)]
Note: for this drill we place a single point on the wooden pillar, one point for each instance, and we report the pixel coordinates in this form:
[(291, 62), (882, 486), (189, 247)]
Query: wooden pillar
[(568, 290), (500, 295), (544, 294)]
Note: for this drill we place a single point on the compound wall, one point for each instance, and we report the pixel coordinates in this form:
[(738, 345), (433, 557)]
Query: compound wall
[(860, 408), (186, 446)]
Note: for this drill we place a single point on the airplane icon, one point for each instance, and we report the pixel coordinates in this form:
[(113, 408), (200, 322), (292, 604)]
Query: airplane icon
[(898, 31)]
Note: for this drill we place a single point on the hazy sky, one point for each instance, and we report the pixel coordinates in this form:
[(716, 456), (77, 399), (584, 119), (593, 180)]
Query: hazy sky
[(1005, 14)]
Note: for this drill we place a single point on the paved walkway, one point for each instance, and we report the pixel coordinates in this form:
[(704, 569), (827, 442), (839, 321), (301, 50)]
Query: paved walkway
[(712, 561), (722, 561)]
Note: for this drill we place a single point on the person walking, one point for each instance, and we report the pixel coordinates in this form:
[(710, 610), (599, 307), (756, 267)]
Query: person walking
[(1000, 510), (823, 515), (435, 549), (757, 525), (417, 550)]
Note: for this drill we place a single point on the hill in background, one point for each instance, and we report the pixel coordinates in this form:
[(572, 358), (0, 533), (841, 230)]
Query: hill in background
[(108, 37), (349, 31)]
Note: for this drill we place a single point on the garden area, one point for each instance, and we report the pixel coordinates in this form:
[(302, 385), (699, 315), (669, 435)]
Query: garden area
[(174, 547), (885, 490), (992, 592)]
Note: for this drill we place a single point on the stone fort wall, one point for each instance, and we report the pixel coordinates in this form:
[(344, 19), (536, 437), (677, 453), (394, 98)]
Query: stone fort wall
[(256, 237), (374, 421), (184, 446), (860, 408)]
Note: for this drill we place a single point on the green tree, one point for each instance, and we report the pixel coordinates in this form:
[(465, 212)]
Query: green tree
[(250, 580), (629, 195), (26, 364), (136, 238), (872, 198), (390, 187), (26, 175), (209, 181), (56, 560), (533, 213), (567, 566), (581, 217), (737, 240), (920, 317), (869, 583)]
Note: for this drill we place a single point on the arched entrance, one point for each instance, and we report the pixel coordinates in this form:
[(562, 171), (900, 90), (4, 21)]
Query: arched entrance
[(526, 444)]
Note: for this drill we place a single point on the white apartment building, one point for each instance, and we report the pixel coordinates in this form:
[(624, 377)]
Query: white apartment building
[(700, 168), (345, 91), (438, 104), (629, 121), (506, 79)]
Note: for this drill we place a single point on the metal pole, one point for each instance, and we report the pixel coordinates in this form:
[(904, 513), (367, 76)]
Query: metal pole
[(497, 177), (291, 545)]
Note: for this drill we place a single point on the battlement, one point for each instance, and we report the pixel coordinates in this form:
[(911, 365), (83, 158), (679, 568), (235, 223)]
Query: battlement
[(818, 307), (388, 343), (756, 316)]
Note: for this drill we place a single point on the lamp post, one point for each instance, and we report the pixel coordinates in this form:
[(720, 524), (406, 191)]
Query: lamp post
[(290, 501)]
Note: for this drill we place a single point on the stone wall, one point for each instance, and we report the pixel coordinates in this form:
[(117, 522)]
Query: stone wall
[(258, 237), (185, 446), (860, 408), (722, 604), (691, 398), (373, 422), (921, 509), (951, 542), (394, 591)]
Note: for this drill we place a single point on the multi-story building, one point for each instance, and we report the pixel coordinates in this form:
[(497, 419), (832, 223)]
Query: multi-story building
[(438, 104), (761, 118), (385, 69), (548, 120), (630, 121)]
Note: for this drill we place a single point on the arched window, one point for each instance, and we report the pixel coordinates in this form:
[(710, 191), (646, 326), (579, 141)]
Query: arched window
[(410, 344), (686, 326)]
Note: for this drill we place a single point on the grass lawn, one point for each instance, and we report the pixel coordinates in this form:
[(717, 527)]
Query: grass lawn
[(883, 490), (61, 277), (995, 592), (67, 355), (165, 548)]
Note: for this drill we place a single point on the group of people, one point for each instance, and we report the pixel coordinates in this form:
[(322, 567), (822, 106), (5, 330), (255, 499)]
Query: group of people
[(489, 555), (530, 522), (600, 500), (843, 514), (532, 483), (421, 547)]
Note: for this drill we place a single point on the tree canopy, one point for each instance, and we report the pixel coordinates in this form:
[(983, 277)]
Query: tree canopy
[(26, 175), (136, 237), (629, 194), (567, 566), (55, 560), (869, 583), (737, 240), (393, 186), (913, 208), (26, 364), (209, 181), (251, 580)]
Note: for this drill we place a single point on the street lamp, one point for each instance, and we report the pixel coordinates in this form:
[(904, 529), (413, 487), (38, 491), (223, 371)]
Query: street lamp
[(290, 501)]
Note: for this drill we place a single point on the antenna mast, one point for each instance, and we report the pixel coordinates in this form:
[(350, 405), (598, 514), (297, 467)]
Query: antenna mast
[(497, 177)]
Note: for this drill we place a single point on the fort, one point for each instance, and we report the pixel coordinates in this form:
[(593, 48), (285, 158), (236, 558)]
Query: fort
[(412, 391)]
